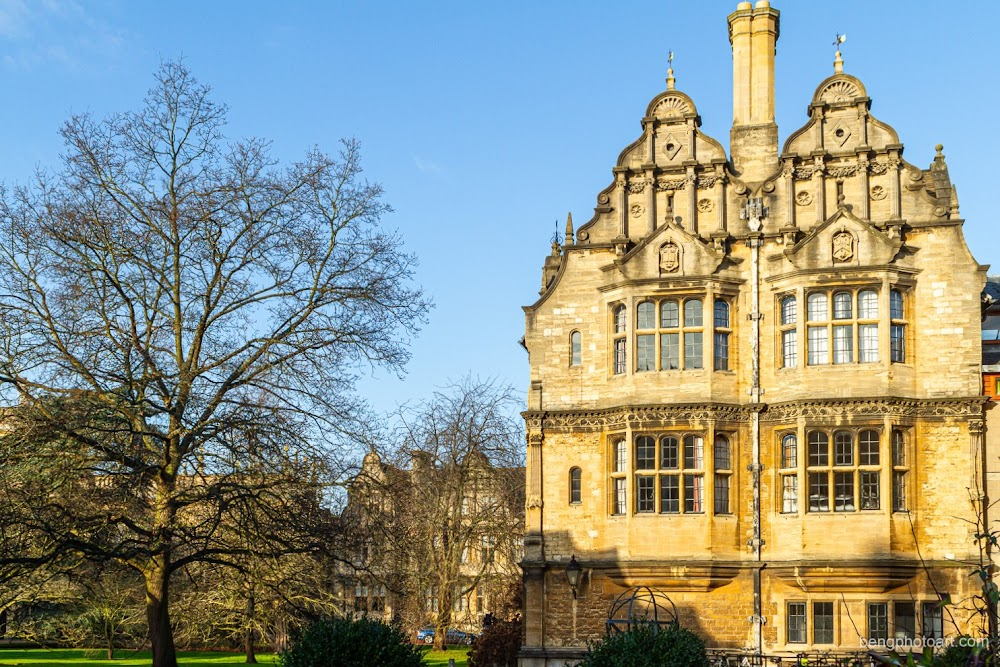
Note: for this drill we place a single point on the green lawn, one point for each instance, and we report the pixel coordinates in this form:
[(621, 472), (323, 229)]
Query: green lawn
[(95, 657)]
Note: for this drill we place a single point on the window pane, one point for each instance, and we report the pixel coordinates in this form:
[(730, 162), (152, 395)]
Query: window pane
[(898, 449), (897, 343), (843, 344), (620, 319), (620, 357), (843, 449), (722, 453), (645, 352), (816, 307), (645, 315), (669, 315), (789, 451), (694, 452), (789, 493), (822, 622), (896, 304), (867, 343), (869, 489), (668, 452), (788, 310), (819, 492), (576, 348), (721, 314), (819, 449), (819, 349), (645, 453), (868, 443), (844, 491), (722, 351), (868, 305), (621, 454), (796, 623), (669, 494), (842, 306), (694, 493), (693, 353), (670, 352), (933, 625), (692, 313), (878, 621), (905, 620), (575, 485), (645, 493), (722, 494), (789, 348), (899, 492), (619, 496)]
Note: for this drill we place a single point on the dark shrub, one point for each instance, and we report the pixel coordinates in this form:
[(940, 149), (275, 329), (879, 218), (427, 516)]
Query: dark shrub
[(672, 646), (342, 643), (498, 645)]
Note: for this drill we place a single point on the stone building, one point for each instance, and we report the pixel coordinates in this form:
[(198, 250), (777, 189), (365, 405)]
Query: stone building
[(755, 382)]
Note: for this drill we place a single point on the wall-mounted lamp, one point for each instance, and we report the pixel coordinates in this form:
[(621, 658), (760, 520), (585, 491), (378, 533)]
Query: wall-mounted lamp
[(573, 571)]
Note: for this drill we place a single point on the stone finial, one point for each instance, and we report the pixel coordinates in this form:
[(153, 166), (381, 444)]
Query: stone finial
[(569, 229), (670, 70)]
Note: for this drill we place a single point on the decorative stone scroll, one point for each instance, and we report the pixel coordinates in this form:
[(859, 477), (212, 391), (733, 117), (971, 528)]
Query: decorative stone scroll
[(639, 417)]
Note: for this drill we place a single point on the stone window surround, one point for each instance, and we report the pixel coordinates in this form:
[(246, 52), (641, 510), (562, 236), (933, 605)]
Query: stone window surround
[(701, 473), (889, 328), (925, 615), (889, 462), (623, 356)]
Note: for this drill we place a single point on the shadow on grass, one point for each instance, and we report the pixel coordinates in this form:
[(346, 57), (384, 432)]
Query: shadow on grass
[(39, 657)]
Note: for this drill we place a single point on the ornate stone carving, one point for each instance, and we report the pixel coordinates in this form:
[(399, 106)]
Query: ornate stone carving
[(878, 167), (804, 173), (843, 172), (636, 187), (533, 503), (670, 257), (636, 210), (603, 198), (843, 246), (708, 181), (803, 198), (672, 184), (839, 91), (582, 235), (535, 439), (672, 106), (976, 426), (873, 408), (705, 205), (878, 193)]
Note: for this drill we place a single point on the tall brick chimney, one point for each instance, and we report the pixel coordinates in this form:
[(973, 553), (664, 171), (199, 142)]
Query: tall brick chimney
[(753, 32)]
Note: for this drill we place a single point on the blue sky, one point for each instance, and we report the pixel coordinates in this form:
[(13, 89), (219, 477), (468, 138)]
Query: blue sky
[(487, 122)]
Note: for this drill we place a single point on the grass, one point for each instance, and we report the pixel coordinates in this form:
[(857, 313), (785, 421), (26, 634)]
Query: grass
[(39, 657)]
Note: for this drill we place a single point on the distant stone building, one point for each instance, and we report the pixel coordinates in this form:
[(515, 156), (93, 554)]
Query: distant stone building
[(755, 383)]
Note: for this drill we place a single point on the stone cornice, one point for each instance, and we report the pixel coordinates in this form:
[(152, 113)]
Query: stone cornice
[(653, 416)]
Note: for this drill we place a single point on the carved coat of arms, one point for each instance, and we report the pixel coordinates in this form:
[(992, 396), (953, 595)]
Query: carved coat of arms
[(670, 257), (843, 247)]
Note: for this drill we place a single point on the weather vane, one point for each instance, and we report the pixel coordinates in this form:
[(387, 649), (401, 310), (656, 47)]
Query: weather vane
[(556, 238), (840, 40)]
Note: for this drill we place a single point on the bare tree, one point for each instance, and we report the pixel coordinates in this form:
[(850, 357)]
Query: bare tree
[(181, 323), (450, 512)]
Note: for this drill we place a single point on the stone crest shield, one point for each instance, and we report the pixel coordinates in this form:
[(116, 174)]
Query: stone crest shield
[(670, 257), (843, 246)]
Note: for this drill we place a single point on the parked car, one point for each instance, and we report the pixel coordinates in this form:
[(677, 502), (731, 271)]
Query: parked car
[(453, 636)]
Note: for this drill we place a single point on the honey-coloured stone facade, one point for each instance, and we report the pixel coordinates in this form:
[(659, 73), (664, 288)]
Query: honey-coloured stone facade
[(755, 383)]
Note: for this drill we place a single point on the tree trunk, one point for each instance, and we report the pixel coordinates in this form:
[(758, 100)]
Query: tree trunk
[(248, 646), (161, 635), (248, 619)]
